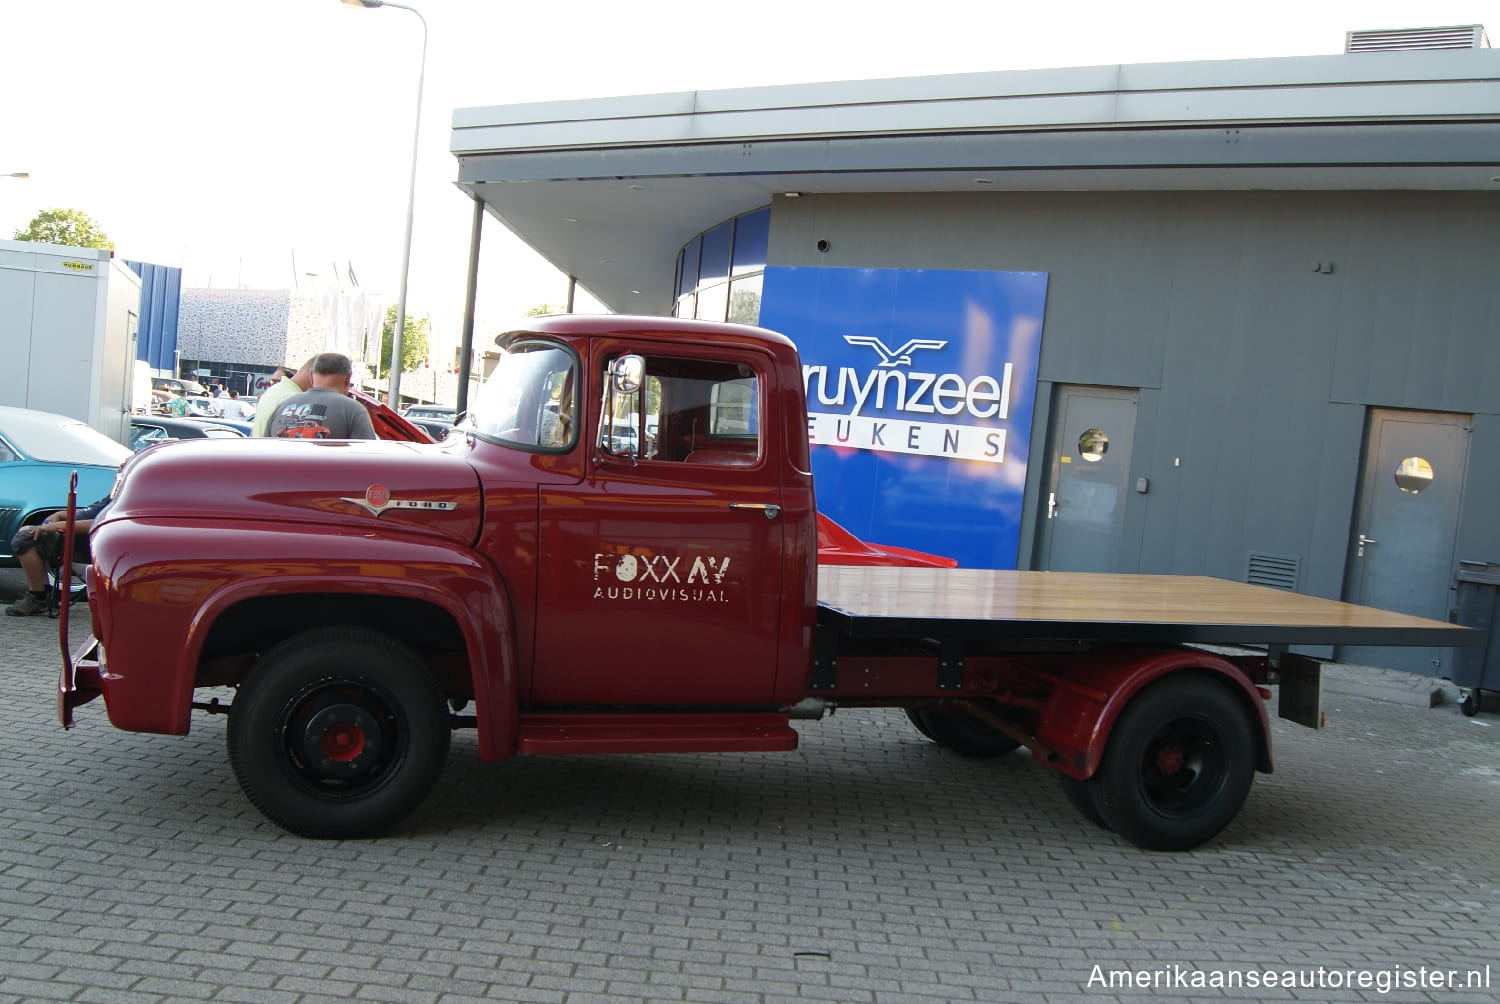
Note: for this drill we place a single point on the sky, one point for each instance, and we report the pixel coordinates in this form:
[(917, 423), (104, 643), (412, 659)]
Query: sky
[(252, 143)]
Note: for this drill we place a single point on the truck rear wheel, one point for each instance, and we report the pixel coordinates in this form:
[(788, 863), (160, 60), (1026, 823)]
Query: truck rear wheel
[(963, 734), (919, 722), (1086, 797), (338, 732), (1178, 766)]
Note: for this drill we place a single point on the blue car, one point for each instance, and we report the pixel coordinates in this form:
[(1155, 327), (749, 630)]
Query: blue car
[(38, 450)]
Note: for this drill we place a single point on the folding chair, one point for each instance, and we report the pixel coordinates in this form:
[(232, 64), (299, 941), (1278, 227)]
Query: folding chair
[(57, 581)]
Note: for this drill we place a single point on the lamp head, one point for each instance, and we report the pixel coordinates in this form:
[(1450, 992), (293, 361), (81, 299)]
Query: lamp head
[(363, 3)]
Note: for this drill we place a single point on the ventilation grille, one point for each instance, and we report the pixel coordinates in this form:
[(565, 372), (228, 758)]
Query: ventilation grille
[(1461, 36), (1274, 570), (6, 530)]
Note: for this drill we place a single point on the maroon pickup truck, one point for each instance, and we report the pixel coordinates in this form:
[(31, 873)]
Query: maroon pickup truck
[(565, 586)]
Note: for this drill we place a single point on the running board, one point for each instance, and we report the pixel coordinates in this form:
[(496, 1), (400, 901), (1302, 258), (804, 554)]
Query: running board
[(550, 733)]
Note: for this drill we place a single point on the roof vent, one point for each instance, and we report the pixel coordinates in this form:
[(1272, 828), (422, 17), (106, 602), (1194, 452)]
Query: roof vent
[(1460, 36)]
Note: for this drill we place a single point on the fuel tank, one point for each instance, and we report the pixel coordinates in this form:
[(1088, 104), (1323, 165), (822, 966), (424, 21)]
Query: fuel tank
[(374, 485)]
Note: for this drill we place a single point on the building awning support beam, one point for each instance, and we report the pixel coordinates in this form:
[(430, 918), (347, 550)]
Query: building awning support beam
[(471, 291)]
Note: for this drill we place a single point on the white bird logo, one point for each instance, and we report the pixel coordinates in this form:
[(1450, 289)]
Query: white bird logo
[(894, 357)]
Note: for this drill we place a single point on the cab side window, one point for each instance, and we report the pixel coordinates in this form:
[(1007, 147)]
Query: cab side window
[(691, 411)]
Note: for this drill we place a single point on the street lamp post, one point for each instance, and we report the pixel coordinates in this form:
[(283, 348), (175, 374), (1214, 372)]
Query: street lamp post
[(393, 391)]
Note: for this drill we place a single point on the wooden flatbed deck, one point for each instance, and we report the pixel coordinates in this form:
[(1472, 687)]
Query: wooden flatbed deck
[(875, 602)]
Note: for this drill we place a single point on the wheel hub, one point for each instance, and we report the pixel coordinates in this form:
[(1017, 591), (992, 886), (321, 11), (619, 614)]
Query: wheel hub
[(1169, 759), (341, 740)]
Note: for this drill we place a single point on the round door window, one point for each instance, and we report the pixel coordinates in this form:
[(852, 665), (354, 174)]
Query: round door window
[(1413, 474), (1093, 445)]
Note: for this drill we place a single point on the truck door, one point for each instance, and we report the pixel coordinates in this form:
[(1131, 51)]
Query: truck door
[(660, 574)]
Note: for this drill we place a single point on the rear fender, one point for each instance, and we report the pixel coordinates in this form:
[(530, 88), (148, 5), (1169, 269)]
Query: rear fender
[(180, 594), (1086, 697)]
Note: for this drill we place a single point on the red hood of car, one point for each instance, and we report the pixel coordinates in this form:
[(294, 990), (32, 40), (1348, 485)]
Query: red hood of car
[(388, 424), (837, 546)]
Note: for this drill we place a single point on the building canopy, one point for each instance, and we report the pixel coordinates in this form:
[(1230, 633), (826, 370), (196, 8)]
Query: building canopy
[(609, 189)]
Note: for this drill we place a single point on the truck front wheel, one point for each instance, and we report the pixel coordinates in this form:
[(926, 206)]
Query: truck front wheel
[(338, 732), (1178, 765)]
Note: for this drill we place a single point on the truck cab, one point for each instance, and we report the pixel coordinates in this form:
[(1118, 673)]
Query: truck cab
[(706, 532)]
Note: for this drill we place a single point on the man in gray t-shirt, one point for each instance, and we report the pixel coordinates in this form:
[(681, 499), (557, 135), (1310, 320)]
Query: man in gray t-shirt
[(325, 410)]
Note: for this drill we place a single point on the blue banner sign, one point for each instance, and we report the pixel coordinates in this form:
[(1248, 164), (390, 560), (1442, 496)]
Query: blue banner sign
[(920, 390)]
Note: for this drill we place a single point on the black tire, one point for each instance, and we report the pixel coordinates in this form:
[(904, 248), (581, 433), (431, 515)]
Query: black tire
[(919, 719), (338, 732), (1179, 764), (962, 734), (1086, 797)]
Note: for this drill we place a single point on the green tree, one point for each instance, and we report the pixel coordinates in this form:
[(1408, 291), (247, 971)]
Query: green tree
[(65, 226), (545, 308), (413, 342)]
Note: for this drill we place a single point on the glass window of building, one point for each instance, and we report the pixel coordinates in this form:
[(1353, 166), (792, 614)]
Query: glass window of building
[(752, 232), (687, 267), (744, 299), (713, 302), (713, 265), (720, 271)]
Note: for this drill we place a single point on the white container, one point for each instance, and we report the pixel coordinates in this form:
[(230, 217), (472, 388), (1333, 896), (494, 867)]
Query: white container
[(68, 321)]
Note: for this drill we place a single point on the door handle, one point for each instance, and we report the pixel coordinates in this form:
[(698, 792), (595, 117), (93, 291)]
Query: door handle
[(1051, 504), (769, 508), (1363, 540)]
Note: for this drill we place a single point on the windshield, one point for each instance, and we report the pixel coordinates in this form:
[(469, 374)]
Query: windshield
[(530, 398)]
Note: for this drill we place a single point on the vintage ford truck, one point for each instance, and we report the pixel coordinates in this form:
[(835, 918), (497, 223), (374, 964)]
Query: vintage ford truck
[(564, 587)]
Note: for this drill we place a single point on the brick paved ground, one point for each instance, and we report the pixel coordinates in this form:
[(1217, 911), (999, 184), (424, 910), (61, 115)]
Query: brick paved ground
[(866, 866)]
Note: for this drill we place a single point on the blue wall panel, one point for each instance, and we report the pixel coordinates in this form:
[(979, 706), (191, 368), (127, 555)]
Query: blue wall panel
[(156, 333), (920, 390)]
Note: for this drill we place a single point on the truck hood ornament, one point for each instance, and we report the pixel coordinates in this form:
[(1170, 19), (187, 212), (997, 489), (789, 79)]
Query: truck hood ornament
[(378, 500)]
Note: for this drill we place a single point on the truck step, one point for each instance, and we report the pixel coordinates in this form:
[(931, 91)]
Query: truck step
[(550, 733)]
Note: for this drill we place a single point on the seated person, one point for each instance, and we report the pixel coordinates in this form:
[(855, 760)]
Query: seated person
[(34, 546)]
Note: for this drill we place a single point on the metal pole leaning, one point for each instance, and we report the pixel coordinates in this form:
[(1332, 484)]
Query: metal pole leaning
[(393, 392)]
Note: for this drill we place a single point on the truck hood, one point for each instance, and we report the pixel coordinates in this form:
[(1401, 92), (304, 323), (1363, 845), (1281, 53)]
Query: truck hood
[(370, 486)]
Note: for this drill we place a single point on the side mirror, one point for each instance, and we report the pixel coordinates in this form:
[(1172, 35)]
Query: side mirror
[(627, 373)]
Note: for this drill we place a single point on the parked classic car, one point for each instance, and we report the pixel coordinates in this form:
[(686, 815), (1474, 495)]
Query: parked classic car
[(38, 451), (837, 546), (437, 411), (147, 430), (434, 419), (173, 385)]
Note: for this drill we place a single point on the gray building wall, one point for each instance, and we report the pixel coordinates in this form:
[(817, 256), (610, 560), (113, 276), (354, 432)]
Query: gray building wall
[(1255, 371)]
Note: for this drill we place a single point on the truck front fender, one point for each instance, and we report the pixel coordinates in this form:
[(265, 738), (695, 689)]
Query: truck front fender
[(177, 607), (1084, 701)]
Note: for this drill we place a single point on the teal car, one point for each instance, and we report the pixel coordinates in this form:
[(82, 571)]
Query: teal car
[(38, 451)]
